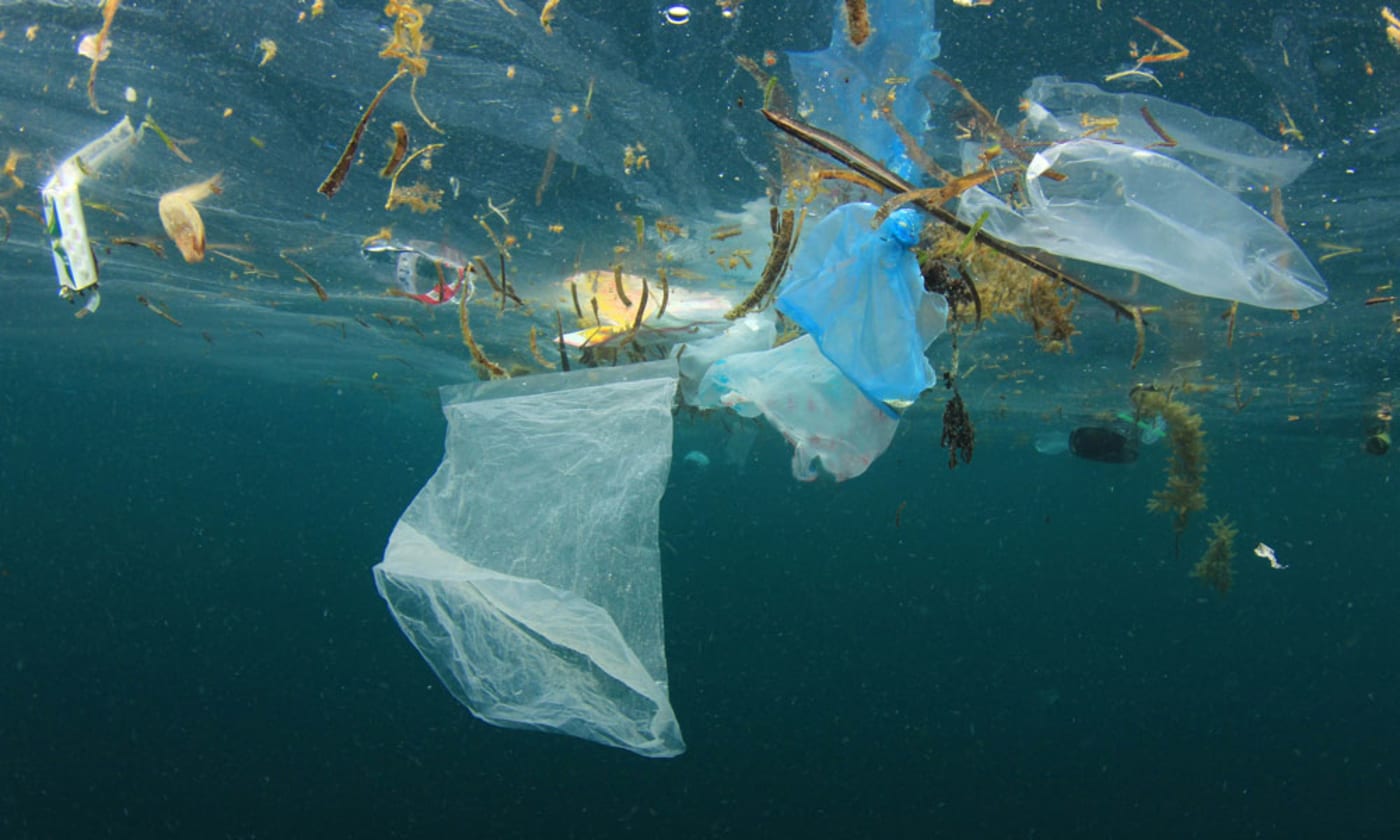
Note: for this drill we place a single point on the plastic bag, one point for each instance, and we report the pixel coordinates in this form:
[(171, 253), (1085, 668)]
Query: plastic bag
[(527, 570), (1227, 152), (840, 83), (755, 332), (1141, 211), (823, 415), (859, 293)]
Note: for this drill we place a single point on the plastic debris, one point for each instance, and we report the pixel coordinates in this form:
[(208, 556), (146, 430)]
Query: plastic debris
[(73, 258), (839, 83), (860, 294), (1227, 152), (527, 570), (1267, 553), (826, 418), (1141, 211), (445, 275)]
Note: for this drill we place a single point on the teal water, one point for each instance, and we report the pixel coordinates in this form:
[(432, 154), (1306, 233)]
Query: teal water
[(191, 641)]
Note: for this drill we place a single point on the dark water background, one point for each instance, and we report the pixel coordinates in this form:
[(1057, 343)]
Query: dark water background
[(191, 644)]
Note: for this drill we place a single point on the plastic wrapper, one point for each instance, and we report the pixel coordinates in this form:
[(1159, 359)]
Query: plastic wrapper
[(860, 294), (1141, 211), (424, 271), (826, 418), (73, 259), (1227, 152), (527, 570)]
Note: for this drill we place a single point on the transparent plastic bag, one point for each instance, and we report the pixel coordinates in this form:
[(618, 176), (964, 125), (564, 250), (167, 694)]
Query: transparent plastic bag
[(1140, 211), (1225, 151), (527, 570), (860, 294), (755, 332), (823, 415)]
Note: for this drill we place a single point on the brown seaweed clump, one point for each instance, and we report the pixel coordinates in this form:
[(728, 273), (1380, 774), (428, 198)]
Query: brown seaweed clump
[(1006, 287), (1186, 474), (1214, 567), (958, 435)]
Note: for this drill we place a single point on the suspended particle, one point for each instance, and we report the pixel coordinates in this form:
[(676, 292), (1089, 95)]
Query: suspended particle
[(677, 15)]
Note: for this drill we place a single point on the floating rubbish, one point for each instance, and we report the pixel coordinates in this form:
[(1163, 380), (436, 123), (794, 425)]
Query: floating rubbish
[(73, 259)]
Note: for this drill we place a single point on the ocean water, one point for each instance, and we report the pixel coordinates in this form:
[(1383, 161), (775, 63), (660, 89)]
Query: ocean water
[(191, 644)]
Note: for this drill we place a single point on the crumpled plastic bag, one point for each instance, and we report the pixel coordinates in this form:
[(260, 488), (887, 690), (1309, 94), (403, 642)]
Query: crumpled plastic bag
[(1225, 151), (860, 294), (1141, 211), (826, 418), (527, 570), (752, 333)]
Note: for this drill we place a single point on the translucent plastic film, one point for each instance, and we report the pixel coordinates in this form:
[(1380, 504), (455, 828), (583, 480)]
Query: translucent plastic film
[(825, 417), (1227, 152), (895, 40), (1141, 211), (527, 570)]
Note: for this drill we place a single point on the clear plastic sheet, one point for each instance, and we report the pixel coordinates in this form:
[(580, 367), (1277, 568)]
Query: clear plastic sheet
[(1140, 211), (527, 570), (1227, 152)]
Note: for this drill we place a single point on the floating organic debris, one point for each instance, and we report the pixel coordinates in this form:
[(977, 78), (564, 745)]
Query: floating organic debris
[(1215, 566), (158, 309), (336, 178), (181, 219), (170, 144), (306, 277), (773, 269), (97, 48), (958, 435), (1186, 473), (406, 43), (547, 16), (857, 22), (391, 168)]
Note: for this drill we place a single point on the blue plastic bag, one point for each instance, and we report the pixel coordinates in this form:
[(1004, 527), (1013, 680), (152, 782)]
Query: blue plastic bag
[(843, 84), (859, 293)]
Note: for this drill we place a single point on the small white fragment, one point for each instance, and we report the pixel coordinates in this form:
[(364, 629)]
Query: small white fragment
[(1267, 553), (131, 94), (677, 15)]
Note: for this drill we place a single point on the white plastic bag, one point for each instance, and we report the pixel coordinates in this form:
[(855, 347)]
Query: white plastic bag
[(752, 333), (1141, 211), (527, 570)]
